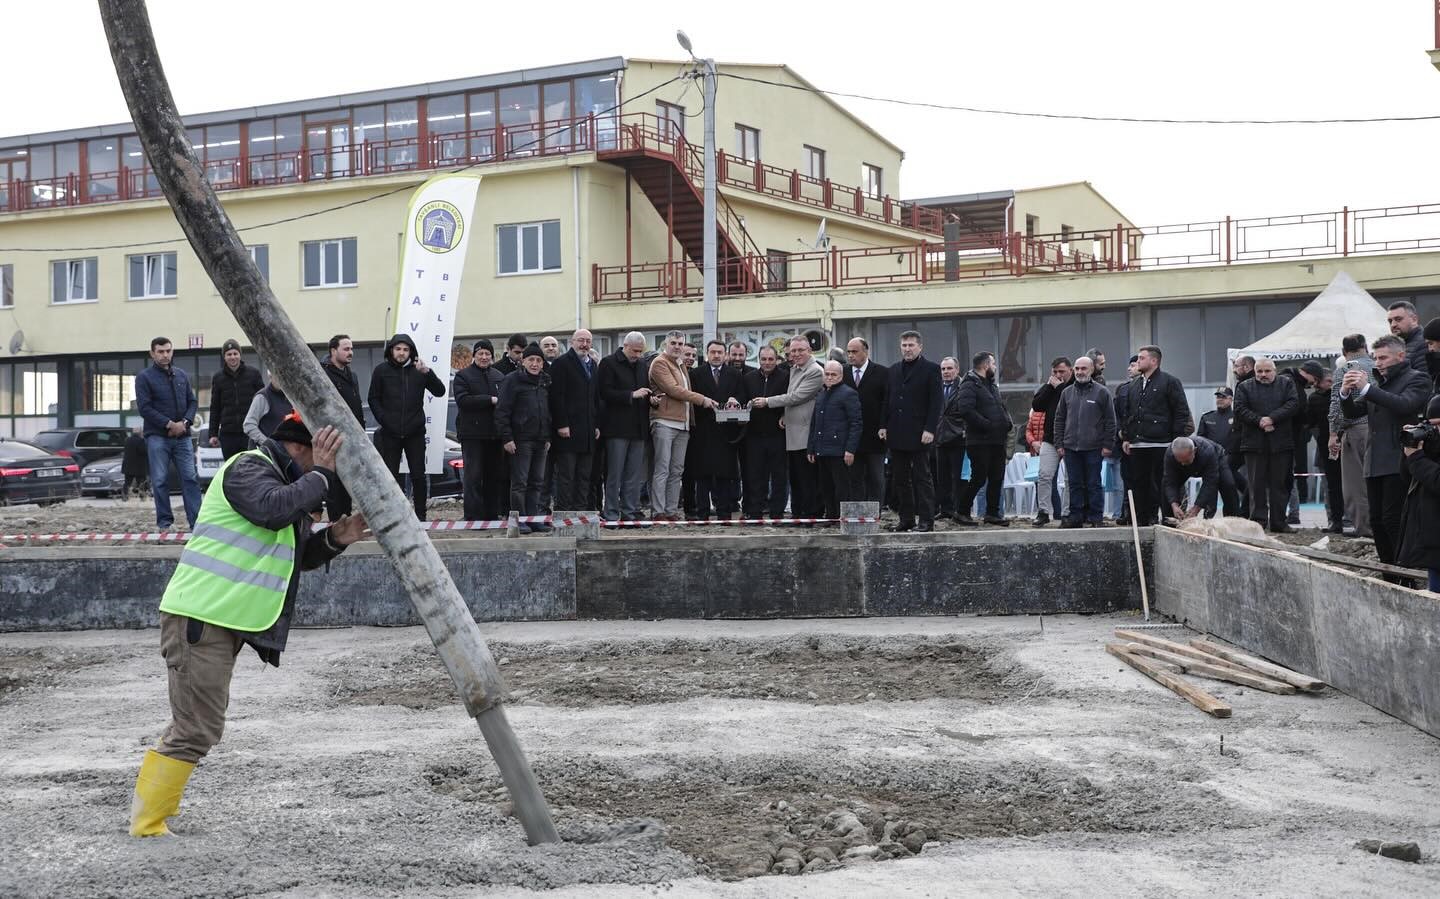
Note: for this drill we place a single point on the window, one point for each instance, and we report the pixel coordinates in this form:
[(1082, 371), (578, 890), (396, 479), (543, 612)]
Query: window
[(1066, 234), (329, 263), (747, 142), (528, 248), (74, 280), (814, 162), (152, 275), (872, 179), (1032, 224), (260, 255), (672, 120), (777, 269), (7, 287)]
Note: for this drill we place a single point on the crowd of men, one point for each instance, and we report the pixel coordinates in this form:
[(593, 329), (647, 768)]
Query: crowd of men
[(641, 433)]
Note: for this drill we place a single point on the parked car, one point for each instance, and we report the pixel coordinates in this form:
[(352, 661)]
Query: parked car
[(208, 459), (103, 478), (33, 474), (84, 445)]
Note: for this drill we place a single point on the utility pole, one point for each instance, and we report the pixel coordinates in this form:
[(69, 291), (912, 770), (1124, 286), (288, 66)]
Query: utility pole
[(710, 298)]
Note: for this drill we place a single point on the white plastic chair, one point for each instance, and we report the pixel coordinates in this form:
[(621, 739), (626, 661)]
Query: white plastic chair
[(1018, 494)]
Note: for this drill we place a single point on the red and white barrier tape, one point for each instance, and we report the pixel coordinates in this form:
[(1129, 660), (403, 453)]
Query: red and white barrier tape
[(160, 536), (182, 536), (737, 521)]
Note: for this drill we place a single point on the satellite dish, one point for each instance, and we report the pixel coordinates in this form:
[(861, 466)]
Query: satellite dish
[(822, 240), (17, 342)]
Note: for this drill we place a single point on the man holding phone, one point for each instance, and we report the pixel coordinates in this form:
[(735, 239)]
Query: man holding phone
[(1350, 437)]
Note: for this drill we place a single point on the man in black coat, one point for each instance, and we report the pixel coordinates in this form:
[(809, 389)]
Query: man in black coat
[(712, 459), (397, 400), (337, 368), (1305, 378), (1156, 412), (767, 485), (476, 389), (522, 419), (987, 428), (624, 392), (1197, 457), (1394, 401), (1420, 519), (1317, 416), (1264, 406), (574, 409), (231, 390), (911, 417), (949, 442), (514, 350), (1405, 324), (1219, 425), (834, 438), (871, 382)]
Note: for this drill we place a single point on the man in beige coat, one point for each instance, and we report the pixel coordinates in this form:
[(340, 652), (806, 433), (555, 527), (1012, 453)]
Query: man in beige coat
[(806, 379), (670, 423)]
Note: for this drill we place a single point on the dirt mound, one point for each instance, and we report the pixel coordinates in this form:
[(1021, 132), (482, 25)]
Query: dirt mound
[(824, 670)]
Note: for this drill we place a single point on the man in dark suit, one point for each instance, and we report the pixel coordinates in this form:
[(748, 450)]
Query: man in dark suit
[(574, 414), (911, 417), (1156, 412), (871, 382), (712, 459), (834, 438), (950, 442), (767, 484)]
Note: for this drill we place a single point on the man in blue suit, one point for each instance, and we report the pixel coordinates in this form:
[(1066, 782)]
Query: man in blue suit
[(835, 428)]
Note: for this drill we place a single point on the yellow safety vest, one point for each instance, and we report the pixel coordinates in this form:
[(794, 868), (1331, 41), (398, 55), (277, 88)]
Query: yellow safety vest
[(233, 572)]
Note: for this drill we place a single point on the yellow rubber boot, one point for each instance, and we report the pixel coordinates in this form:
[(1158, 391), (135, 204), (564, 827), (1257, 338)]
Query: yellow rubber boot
[(157, 794)]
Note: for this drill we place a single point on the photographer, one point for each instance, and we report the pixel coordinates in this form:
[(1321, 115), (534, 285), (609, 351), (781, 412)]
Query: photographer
[(1420, 520)]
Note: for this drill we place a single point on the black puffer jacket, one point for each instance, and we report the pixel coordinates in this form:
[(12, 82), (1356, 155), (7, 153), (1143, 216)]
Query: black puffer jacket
[(348, 387), (986, 421), (230, 396), (524, 410), (1420, 519), (474, 389), (1156, 411), (622, 416), (397, 392)]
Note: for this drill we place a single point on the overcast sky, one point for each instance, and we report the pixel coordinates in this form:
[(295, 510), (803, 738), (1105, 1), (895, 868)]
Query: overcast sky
[(1220, 59)]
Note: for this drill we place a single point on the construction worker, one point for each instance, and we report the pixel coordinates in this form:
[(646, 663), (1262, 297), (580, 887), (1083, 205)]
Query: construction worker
[(235, 585)]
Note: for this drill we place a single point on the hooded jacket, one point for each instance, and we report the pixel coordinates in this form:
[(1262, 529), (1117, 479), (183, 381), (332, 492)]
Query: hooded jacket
[(397, 392)]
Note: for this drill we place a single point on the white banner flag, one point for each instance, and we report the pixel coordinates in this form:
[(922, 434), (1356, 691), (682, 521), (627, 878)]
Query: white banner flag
[(437, 231)]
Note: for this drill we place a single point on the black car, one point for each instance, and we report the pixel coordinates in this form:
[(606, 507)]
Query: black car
[(84, 445), (33, 474)]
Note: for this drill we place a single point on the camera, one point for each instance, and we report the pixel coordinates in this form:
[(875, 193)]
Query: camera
[(1419, 435)]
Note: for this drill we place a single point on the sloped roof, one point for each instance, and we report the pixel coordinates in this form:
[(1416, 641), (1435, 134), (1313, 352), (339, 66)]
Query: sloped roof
[(1343, 307)]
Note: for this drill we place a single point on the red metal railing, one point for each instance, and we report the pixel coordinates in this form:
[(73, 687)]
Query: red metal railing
[(601, 134), (1227, 241)]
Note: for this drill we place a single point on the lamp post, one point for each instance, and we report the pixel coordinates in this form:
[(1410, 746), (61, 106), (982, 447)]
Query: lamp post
[(710, 302)]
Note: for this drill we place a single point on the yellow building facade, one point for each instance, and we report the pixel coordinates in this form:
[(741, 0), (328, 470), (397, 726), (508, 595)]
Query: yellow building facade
[(587, 215)]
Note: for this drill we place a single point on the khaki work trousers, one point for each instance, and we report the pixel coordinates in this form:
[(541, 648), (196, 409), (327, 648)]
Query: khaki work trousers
[(199, 674), (1354, 445)]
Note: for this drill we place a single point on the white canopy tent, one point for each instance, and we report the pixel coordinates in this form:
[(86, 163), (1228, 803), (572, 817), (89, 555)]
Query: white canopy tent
[(1342, 308)]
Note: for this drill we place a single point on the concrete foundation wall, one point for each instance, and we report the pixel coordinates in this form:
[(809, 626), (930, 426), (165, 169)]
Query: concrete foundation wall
[(720, 576), (1375, 641)]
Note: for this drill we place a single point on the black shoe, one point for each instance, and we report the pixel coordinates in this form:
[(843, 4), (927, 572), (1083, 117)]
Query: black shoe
[(966, 520), (1282, 528), (925, 527), (902, 527), (1042, 519), (1071, 523), (524, 528), (997, 521), (1295, 520), (1335, 529)]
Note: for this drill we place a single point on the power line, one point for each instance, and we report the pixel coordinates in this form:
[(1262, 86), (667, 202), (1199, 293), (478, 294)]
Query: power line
[(980, 110), (318, 212)]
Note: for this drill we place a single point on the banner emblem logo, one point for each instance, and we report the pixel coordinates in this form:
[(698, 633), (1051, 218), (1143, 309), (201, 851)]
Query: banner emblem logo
[(439, 226)]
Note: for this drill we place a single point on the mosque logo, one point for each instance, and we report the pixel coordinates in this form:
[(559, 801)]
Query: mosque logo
[(439, 226)]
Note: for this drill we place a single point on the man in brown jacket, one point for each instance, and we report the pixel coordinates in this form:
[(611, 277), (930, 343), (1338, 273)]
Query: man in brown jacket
[(670, 423)]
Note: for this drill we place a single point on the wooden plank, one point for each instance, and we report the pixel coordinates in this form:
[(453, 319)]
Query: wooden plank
[(1226, 672), (1179, 649), (1260, 666), (1191, 694), (1321, 555)]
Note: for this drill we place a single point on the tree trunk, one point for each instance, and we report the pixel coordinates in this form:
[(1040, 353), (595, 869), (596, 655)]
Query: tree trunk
[(452, 628)]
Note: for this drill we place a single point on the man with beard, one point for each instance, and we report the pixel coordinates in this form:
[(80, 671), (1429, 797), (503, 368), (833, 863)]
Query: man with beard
[(1084, 437)]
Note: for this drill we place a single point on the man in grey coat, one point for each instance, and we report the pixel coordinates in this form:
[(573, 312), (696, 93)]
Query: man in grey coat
[(1084, 437)]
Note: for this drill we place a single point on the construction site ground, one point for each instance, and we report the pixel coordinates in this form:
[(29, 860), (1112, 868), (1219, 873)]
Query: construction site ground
[(897, 757)]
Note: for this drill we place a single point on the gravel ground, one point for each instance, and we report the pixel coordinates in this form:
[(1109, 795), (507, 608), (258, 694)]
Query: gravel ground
[(877, 756)]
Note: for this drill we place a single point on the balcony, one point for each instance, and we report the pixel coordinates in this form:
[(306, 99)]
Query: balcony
[(1221, 242)]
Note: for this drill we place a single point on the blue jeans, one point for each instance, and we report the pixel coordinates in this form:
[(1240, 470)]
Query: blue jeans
[(1082, 475), (179, 452)]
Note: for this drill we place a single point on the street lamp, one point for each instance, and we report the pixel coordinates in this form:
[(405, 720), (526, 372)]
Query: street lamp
[(710, 304)]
